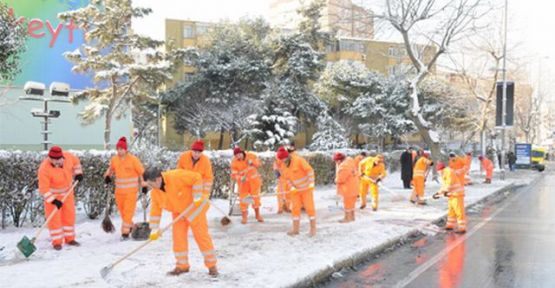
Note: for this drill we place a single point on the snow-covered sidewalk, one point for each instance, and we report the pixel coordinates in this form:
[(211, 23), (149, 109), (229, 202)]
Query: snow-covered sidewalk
[(252, 255)]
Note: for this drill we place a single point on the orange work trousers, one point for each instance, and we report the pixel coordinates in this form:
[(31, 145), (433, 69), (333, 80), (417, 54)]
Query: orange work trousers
[(249, 188), (199, 226), (303, 199), (126, 202), (419, 186), (489, 173), (349, 203), (62, 225), (456, 213)]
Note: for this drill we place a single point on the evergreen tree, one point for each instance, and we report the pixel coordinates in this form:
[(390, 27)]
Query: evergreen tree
[(127, 69), (12, 43), (330, 135), (273, 127)]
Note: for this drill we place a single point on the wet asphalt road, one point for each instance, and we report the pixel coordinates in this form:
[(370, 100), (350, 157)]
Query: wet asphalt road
[(510, 243)]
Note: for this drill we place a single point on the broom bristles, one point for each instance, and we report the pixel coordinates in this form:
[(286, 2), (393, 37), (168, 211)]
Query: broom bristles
[(225, 221), (107, 225)]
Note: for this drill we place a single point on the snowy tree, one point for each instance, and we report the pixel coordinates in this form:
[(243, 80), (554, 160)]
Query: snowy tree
[(12, 43), (441, 22), (127, 69), (232, 72), (272, 127), (330, 135)]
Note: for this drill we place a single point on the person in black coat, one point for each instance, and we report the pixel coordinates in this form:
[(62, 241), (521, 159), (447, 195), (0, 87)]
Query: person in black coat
[(406, 167)]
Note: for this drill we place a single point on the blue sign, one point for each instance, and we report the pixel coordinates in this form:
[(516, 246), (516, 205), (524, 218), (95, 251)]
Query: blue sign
[(523, 155)]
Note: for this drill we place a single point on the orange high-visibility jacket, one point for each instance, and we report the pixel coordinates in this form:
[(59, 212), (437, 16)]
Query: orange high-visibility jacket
[(299, 174), (421, 166), (128, 170), (468, 163), (452, 183), (181, 187), (458, 164), (55, 182), (246, 168), (201, 166), (347, 178)]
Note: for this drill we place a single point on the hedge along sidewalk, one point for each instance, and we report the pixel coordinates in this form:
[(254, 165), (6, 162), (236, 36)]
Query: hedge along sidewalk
[(324, 273)]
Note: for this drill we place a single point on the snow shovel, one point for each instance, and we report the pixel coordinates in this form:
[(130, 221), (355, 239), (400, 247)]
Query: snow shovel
[(27, 246), (107, 224), (141, 231), (107, 269)]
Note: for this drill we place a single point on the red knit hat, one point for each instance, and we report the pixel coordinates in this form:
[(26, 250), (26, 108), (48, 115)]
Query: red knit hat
[(122, 143), (440, 166), (198, 146), (55, 152), (481, 157), (426, 154), (237, 150), (282, 153), (338, 156)]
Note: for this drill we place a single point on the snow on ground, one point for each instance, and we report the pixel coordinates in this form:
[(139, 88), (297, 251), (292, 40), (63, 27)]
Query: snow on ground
[(252, 255)]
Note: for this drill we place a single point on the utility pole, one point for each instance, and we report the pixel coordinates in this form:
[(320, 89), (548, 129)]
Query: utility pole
[(504, 112)]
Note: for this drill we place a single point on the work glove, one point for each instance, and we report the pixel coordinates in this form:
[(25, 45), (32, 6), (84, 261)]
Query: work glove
[(378, 180), (107, 180), (79, 177), (144, 190), (277, 174), (249, 162), (155, 235), (432, 163), (293, 190), (435, 196), (197, 199), (311, 186), (58, 203), (243, 179)]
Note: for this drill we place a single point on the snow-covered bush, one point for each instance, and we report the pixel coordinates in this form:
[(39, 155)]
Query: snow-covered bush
[(330, 135), (20, 202), (272, 127)]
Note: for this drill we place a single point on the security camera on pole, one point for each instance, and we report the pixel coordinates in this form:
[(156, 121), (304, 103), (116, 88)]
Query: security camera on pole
[(59, 92)]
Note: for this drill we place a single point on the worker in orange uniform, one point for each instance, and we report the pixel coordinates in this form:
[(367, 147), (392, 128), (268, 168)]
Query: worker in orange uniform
[(346, 179), (361, 156), (283, 197), (128, 171), (181, 191), (300, 176), (453, 188), (244, 170), (56, 174), (468, 164), (194, 160), (373, 171), (420, 171), (487, 165)]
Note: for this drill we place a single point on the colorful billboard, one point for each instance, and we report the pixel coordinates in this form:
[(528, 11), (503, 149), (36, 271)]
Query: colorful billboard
[(48, 39)]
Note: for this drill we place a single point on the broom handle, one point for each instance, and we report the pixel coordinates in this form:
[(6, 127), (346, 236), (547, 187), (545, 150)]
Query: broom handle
[(382, 186), (217, 208), (68, 192), (108, 200), (179, 217)]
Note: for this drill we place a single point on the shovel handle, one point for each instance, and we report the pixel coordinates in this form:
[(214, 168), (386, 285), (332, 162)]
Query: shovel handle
[(179, 217), (68, 192)]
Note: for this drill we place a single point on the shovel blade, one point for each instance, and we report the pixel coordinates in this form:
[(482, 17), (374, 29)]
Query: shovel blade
[(105, 271), (26, 246), (141, 231)]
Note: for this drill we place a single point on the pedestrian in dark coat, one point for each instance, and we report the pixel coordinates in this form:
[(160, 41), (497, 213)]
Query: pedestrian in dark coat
[(406, 167)]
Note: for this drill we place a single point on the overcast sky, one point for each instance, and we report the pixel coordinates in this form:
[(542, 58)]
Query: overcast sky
[(532, 22)]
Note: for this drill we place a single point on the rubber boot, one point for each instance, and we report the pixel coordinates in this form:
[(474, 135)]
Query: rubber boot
[(257, 215), (74, 243), (213, 271), (295, 229), (375, 204), (286, 207), (57, 247), (363, 202), (352, 216), (244, 217), (312, 231), (178, 271)]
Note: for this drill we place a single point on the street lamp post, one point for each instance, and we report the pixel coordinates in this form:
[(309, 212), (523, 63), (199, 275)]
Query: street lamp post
[(504, 111), (59, 92)]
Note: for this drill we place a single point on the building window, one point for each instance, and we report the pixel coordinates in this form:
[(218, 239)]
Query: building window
[(202, 29), (351, 45), (188, 31)]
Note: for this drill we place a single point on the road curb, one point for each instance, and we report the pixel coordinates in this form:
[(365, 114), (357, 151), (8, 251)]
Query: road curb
[(359, 257)]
